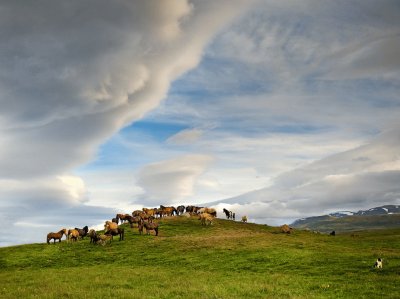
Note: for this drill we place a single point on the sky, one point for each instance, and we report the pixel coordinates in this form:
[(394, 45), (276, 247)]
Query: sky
[(276, 110)]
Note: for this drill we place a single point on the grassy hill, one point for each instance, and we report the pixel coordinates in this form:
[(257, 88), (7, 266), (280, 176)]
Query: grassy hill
[(226, 260), (328, 223)]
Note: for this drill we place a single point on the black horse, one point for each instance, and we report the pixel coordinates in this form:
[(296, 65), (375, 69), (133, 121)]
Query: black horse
[(227, 213), (115, 232), (82, 231), (180, 210)]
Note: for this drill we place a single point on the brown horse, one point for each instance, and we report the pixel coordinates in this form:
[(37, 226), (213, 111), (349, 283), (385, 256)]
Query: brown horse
[(56, 236), (149, 212), (167, 211), (149, 226), (93, 236), (206, 218), (109, 225), (73, 235), (136, 213), (210, 211), (104, 239), (119, 231), (133, 220), (122, 217)]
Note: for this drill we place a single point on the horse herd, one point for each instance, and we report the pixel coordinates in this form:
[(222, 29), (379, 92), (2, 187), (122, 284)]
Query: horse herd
[(144, 219)]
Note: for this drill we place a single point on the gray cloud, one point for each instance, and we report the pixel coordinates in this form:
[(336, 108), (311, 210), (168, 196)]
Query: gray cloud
[(71, 75)]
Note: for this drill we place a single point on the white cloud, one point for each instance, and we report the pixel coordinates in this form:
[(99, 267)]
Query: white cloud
[(186, 136), (352, 179), (172, 180)]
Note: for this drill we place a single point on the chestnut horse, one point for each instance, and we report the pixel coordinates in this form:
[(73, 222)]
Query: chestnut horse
[(56, 236)]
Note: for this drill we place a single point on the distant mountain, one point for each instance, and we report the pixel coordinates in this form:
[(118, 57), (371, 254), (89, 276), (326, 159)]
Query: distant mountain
[(384, 210), (387, 216)]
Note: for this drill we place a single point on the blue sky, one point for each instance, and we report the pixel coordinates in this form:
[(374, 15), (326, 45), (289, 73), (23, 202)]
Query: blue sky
[(276, 110)]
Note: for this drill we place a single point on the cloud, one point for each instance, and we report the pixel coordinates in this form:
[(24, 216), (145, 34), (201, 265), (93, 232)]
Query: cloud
[(187, 136), (73, 74), (267, 85), (31, 223), (376, 58), (32, 208), (172, 180), (359, 178), (281, 102)]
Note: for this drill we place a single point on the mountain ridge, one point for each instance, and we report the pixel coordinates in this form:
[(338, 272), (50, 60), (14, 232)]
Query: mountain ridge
[(386, 216)]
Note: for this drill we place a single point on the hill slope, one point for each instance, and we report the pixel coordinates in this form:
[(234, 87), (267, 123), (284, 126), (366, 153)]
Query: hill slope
[(187, 260), (375, 218)]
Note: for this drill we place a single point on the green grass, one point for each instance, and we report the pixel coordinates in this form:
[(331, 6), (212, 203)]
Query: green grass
[(226, 260)]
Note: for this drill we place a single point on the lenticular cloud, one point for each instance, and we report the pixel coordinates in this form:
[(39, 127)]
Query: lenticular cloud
[(72, 75)]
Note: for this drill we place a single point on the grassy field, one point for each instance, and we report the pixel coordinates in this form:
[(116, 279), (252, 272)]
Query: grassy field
[(226, 260)]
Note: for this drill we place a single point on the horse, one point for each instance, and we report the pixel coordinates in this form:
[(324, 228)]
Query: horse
[(136, 213), (111, 228), (82, 231), (210, 211), (133, 220), (149, 226), (167, 211), (93, 236), (227, 213), (56, 236), (189, 209), (286, 229), (103, 239), (119, 231), (144, 216), (121, 217), (196, 210), (149, 212), (109, 225), (206, 218), (73, 234), (180, 210)]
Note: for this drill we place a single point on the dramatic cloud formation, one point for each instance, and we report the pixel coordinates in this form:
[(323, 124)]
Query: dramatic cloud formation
[(75, 73), (277, 109)]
